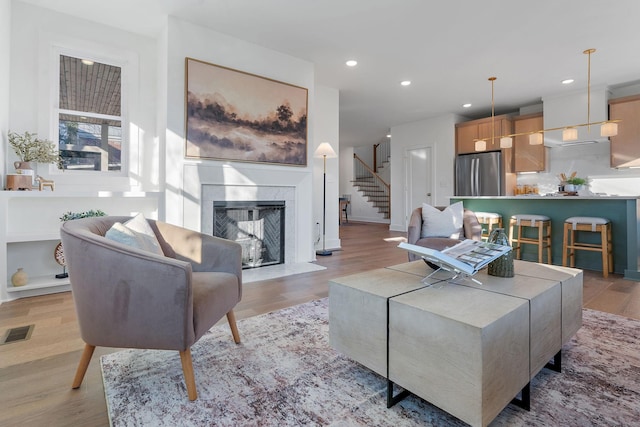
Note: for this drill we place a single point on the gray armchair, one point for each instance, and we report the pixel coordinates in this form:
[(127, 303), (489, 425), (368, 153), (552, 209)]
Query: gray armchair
[(127, 297), (471, 229)]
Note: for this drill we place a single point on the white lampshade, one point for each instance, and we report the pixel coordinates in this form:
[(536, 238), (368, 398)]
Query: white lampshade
[(535, 139), (569, 134), (481, 145), (506, 142), (609, 129), (325, 149)]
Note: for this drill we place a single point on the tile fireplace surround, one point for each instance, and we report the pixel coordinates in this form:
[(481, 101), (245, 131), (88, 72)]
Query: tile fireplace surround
[(252, 193)]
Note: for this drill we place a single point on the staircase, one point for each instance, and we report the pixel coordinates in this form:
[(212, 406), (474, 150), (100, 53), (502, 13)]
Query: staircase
[(375, 194), (374, 188)]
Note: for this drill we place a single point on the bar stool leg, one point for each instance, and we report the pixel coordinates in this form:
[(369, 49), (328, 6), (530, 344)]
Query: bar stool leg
[(511, 225), (565, 235), (572, 249), (610, 246), (540, 240), (605, 250), (549, 244), (519, 228)]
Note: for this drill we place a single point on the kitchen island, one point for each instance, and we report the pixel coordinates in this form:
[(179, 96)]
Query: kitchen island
[(623, 211)]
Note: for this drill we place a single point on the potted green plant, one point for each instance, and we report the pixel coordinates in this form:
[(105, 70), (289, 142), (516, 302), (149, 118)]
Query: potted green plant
[(574, 183), (68, 216), (58, 253), (29, 148)]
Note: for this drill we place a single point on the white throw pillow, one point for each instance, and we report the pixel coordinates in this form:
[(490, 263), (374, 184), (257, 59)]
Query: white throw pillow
[(136, 233), (445, 223)]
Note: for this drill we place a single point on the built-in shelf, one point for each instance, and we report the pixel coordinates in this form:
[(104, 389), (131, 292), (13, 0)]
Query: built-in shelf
[(30, 230), (25, 237), (40, 282)]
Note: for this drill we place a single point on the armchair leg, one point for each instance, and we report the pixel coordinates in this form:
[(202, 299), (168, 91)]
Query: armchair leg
[(83, 365), (234, 328), (189, 376)]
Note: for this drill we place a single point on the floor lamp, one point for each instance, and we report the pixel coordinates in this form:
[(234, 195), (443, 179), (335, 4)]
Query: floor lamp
[(324, 150)]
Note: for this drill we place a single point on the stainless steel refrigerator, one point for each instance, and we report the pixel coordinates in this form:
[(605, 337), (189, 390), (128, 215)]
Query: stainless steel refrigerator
[(479, 174)]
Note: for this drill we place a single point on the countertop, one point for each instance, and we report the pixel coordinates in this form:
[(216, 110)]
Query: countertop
[(552, 197)]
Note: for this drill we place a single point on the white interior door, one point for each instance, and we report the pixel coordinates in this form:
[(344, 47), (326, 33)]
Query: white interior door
[(418, 178)]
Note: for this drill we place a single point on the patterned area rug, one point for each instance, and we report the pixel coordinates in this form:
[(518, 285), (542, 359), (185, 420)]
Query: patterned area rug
[(285, 374)]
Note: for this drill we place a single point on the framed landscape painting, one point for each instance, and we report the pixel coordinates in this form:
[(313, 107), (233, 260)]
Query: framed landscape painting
[(236, 116)]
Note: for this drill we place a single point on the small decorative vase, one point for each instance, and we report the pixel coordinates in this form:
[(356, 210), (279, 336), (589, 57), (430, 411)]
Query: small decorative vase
[(19, 278), (503, 266), (569, 188), (22, 166)]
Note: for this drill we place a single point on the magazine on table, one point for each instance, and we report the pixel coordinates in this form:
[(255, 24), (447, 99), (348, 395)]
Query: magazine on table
[(468, 256)]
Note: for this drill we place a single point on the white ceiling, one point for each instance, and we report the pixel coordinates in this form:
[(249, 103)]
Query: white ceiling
[(447, 49)]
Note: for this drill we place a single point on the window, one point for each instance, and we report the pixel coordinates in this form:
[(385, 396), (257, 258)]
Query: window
[(89, 115)]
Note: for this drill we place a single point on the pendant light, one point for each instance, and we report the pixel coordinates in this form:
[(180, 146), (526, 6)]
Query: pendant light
[(569, 133), (505, 141), (607, 128), (536, 138)]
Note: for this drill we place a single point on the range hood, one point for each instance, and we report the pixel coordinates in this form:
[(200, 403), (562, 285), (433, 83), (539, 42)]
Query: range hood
[(571, 109)]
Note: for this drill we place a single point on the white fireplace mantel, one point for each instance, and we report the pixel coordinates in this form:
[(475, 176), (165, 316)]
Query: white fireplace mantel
[(205, 184)]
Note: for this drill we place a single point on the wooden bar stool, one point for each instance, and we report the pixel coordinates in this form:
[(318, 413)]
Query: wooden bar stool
[(590, 224), (491, 220), (541, 222)]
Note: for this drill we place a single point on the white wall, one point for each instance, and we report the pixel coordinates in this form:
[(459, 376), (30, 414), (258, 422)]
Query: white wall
[(437, 133), (327, 130), (346, 170), (183, 198), (365, 153), (33, 30), (5, 65)]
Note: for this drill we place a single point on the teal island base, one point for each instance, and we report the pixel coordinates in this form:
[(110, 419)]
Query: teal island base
[(622, 211)]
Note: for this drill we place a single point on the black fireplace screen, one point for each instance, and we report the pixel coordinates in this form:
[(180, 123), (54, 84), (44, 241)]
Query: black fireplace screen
[(257, 225)]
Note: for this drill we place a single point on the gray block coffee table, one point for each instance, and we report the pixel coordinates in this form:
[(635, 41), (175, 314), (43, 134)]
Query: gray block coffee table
[(466, 348)]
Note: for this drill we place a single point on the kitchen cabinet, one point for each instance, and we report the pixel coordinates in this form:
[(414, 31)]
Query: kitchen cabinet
[(30, 232), (625, 146), (465, 138), (468, 132), (527, 157)]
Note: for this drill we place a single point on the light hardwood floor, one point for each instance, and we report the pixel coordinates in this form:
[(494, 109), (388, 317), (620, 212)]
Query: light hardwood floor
[(35, 375)]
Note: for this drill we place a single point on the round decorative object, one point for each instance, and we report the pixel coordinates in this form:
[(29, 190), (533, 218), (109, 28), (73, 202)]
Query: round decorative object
[(19, 278), (58, 254), (503, 266)]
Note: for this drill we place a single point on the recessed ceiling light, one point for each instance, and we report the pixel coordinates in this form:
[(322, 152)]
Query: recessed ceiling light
[(352, 63), (567, 81), (388, 135), (87, 62), (466, 105), (405, 82)]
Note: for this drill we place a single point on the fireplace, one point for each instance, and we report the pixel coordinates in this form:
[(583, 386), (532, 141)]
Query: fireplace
[(258, 226)]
